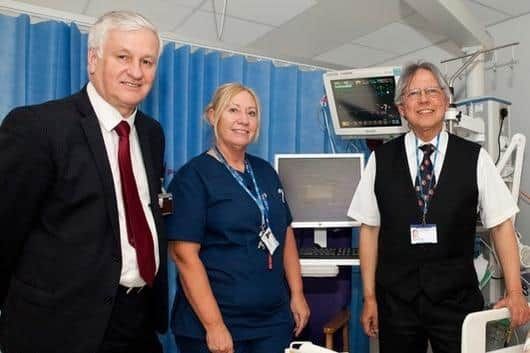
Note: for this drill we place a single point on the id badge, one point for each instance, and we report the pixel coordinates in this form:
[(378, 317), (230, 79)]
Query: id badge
[(269, 240), (165, 202), (423, 234)]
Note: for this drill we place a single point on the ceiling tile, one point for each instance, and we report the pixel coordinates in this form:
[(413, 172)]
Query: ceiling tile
[(188, 3), (237, 33), (75, 6), (330, 24), (398, 38), (485, 15), (271, 12), (512, 7), (354, 56), (161, 12), (346, 33)]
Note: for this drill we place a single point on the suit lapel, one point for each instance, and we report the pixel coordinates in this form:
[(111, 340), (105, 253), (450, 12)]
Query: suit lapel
[(153, 175), (143, 136), (90, 125)]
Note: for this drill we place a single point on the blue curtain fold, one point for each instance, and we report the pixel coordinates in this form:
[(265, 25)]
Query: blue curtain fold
[(47, 60)]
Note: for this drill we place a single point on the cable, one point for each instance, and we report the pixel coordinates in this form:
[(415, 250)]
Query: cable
[(503, 113), (492, 251), (324, 105), (352, 147), (516, 335)]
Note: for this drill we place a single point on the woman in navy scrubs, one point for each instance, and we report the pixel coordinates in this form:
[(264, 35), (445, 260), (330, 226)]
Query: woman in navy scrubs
[(241, 287)]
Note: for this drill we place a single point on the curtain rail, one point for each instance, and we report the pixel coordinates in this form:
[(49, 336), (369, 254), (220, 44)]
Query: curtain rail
[(14, 8)]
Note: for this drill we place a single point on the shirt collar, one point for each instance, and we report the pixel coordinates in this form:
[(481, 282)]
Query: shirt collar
[(410, 140), (411, 137), (108, 116)]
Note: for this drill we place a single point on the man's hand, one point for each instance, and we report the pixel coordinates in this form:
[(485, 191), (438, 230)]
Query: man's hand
[(369, 317), (518, 306)]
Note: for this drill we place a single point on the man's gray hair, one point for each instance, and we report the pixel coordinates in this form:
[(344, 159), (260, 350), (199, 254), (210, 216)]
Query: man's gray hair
[(122, 20), (408, 72)]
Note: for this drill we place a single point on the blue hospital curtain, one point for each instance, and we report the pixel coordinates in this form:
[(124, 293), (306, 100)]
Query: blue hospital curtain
[(47, 60), (40, 61), (290, 120)]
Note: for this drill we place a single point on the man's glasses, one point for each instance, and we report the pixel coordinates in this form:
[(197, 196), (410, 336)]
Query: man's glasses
[(430, 92)]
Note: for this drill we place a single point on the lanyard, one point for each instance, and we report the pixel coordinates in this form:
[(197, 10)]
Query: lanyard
[(418, 163), (260, 201)]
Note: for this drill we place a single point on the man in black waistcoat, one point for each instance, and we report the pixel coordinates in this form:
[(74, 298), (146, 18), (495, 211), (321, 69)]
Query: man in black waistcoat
[(417, 202), (82, 245)]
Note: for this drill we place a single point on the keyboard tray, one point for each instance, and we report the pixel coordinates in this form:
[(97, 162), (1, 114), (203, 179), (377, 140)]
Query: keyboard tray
[(328, 253)]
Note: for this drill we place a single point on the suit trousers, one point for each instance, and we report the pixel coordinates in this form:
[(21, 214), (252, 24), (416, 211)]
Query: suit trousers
[(131, 326), (406, 327)]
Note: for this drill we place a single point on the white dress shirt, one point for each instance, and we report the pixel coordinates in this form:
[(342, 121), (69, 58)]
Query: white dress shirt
[(495, 202), (109, 118)]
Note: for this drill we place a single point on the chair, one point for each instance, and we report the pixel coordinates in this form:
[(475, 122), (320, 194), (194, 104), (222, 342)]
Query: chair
[(474, 331), (340, 320)]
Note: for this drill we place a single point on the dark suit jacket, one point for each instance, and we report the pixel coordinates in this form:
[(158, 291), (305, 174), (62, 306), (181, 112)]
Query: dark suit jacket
[(60, 256)]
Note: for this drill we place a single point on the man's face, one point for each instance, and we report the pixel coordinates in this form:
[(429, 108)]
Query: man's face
[(124, 73), (424, 104)]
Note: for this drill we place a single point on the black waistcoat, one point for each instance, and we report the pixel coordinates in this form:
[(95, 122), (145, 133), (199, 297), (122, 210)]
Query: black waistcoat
[(439, 270)]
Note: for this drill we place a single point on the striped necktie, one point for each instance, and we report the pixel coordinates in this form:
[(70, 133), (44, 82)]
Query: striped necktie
[(425, 180)]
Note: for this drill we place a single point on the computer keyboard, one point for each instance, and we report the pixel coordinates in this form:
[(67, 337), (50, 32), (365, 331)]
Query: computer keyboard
[(328, 253)]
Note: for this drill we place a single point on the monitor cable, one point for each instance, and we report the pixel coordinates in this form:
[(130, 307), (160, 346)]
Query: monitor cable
[(324, 107), (503, 113)]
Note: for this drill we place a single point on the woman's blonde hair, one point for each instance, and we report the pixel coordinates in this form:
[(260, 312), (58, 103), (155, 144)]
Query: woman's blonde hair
[(222, 97)]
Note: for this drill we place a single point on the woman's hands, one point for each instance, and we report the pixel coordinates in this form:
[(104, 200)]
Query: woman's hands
[(300, 311), (219, 339)]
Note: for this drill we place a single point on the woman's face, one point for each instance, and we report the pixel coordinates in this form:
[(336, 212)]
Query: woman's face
[(238, 123)]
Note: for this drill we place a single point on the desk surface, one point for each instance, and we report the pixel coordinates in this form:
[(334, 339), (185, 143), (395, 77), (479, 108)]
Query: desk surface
[(324, 267)]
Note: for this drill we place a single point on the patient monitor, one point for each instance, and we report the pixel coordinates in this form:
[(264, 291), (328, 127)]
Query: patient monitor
[(361, 102)]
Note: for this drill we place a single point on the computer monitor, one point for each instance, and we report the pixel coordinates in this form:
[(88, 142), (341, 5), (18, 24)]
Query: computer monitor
[(319, 187), (361, 102)]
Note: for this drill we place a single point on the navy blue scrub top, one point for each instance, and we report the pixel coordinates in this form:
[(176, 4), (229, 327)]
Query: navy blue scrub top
[(211, 208)]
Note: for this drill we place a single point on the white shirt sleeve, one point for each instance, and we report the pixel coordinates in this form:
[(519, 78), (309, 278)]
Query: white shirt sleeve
[(363, 207), (495, 202)]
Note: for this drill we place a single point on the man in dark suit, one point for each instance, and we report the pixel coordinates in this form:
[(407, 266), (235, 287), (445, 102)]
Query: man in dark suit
[(82, 249)]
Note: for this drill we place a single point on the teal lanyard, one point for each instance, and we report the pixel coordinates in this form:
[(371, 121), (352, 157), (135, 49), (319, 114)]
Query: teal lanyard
[(418, 164), (260, 201)]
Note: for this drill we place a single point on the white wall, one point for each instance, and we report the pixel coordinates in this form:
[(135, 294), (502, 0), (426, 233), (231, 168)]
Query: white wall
[(512, 84)]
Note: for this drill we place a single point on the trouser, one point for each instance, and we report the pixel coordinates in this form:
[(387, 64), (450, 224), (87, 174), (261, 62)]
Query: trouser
[(407, 326), (131, 325)]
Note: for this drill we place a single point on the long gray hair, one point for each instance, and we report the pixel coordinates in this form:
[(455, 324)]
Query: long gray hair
[(408, 72)]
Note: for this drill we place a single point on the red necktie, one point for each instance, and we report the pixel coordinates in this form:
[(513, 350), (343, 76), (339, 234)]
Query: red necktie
[(138, 231)]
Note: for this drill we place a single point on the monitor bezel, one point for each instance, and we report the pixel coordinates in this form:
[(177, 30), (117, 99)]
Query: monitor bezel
[(322, 224), (362, 132)]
